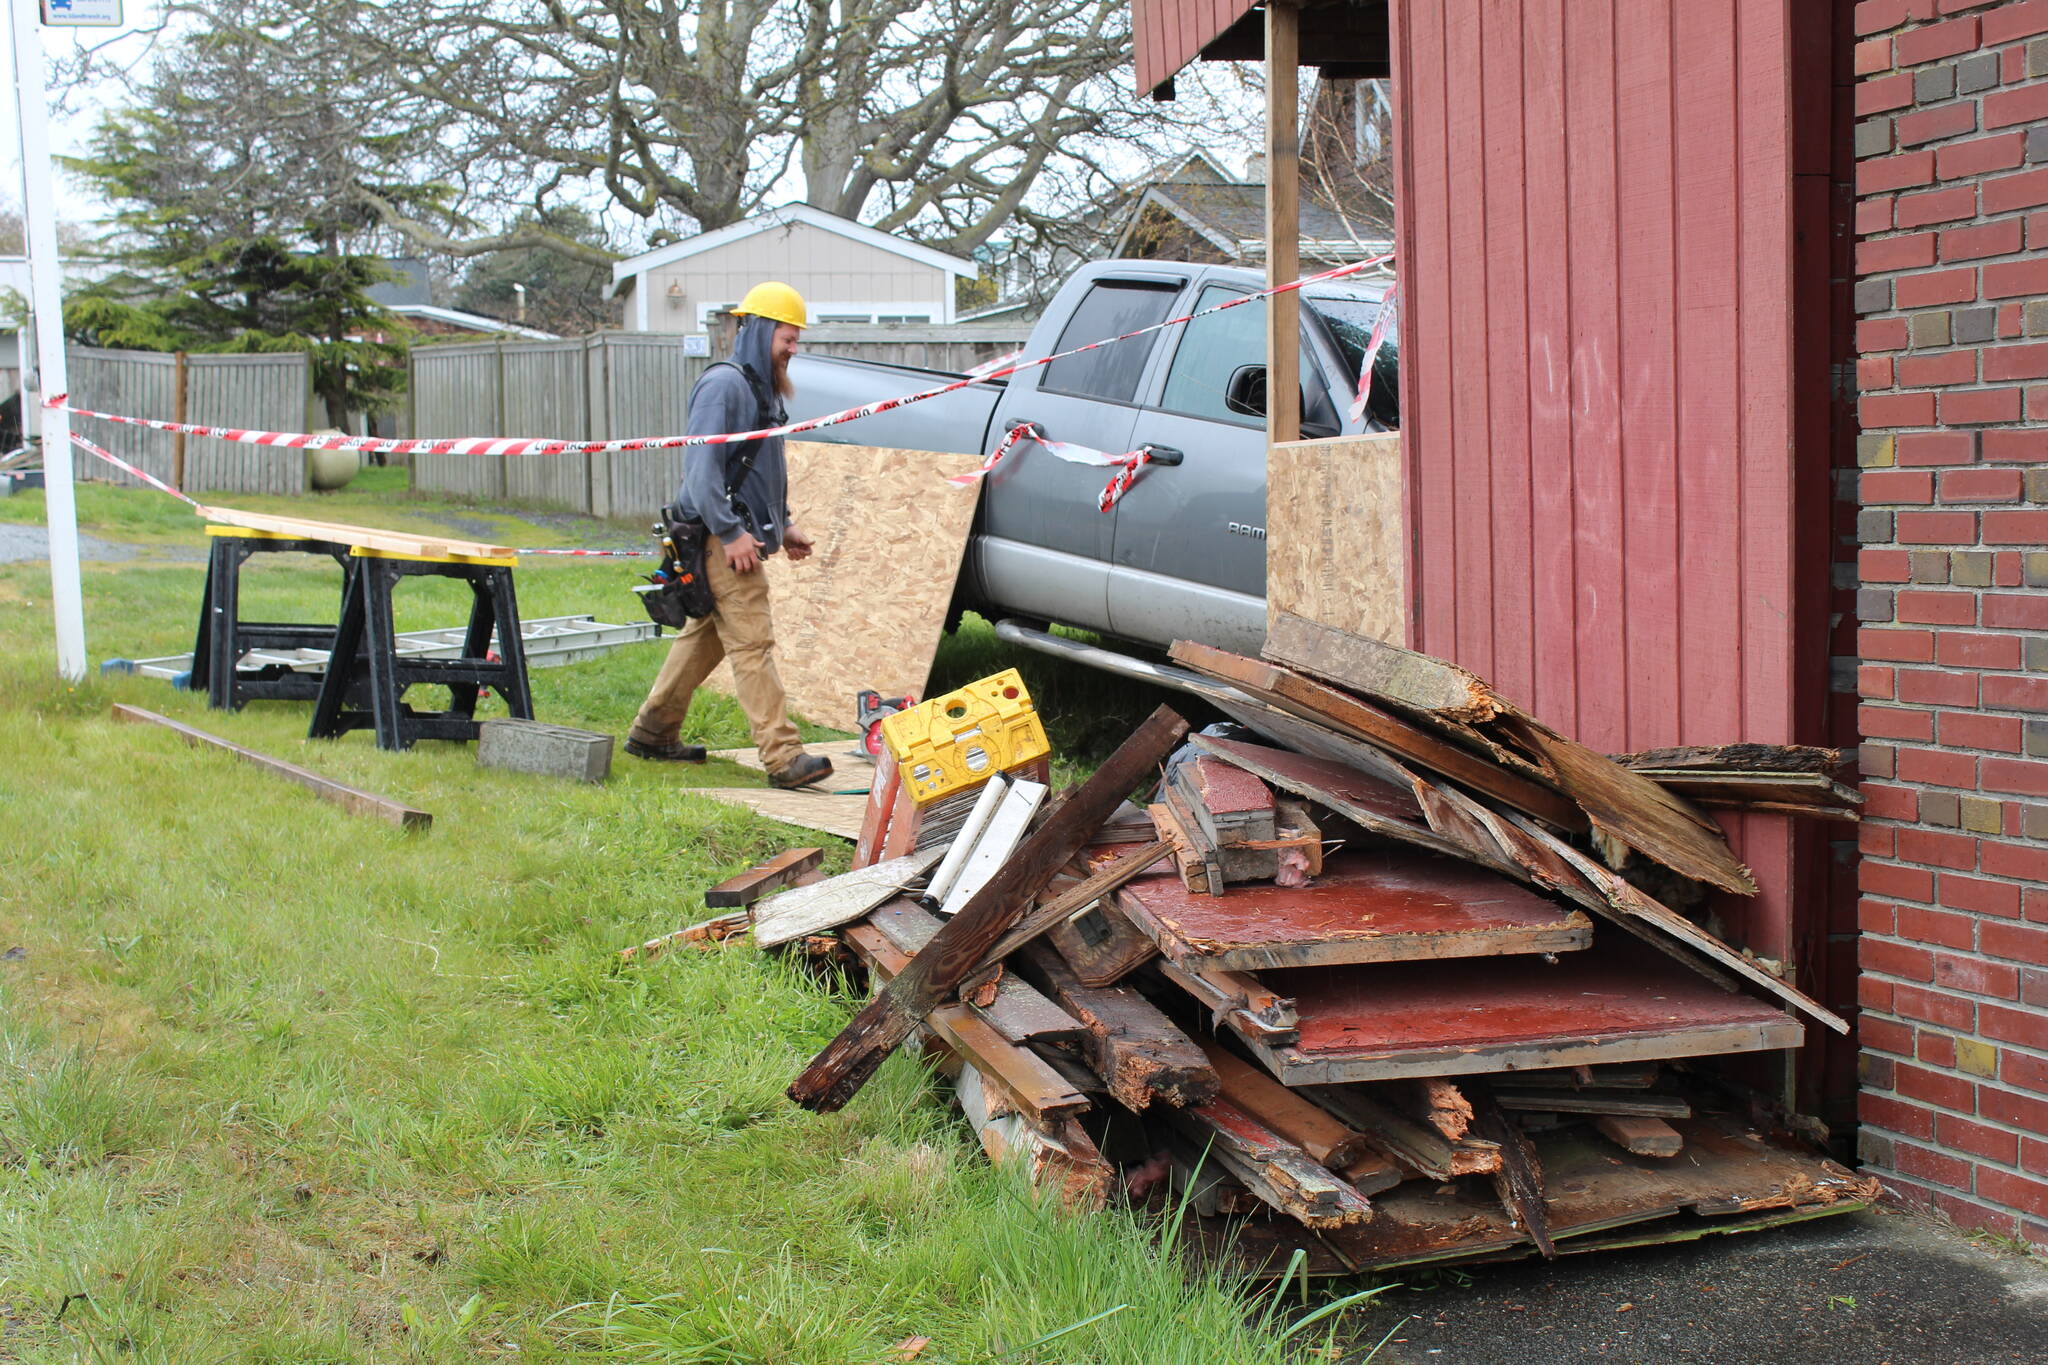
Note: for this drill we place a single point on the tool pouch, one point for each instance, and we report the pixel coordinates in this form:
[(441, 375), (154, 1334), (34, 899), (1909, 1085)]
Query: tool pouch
[(678, 591)]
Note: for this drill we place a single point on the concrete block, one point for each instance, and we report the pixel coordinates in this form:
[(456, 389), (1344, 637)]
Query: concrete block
[(530, 746)]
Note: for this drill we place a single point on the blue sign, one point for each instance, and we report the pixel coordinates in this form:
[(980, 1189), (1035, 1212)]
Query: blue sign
[(82, 13)]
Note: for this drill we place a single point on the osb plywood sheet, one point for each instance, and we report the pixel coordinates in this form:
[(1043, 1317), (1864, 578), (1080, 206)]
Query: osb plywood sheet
[(868, 608), (828, 812), (1335, 551)]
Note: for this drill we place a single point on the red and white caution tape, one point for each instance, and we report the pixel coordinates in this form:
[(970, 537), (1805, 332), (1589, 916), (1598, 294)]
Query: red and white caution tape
[(115, 460), (618, 554), (479, 445), (1372, 351), (1128, 464)]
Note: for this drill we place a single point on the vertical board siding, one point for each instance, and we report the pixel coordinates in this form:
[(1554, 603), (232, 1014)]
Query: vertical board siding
[(1168, 34), (261, 392), (1597, 235)]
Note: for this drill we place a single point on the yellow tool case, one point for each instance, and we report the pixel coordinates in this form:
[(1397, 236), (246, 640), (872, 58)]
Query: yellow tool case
[(961, 739)]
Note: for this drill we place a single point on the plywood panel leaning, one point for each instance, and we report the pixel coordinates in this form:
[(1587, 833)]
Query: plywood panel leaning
[(1334, 534)]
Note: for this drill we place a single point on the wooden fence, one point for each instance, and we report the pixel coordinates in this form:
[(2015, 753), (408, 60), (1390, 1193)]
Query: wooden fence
[(608, 387), (272, 392)]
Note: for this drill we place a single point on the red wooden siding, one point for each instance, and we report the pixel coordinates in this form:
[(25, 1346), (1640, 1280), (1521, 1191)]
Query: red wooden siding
[(1169, 33), (1601, 391)]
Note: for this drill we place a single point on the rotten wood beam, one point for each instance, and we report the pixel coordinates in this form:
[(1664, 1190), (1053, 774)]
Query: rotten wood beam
[(705, 934), (844, 1066), (1641, 1134), (1415, 1145), (1276, 1170), (1314, 1130), (1519, 1181), (1135, 1048)]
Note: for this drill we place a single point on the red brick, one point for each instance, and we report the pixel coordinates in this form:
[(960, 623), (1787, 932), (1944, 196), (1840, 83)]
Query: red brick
[(1980, 156), (1876, 841), (1975, 730), (1872, 917), (2014, 942), (1940, 368), (1873, 372), (1873, 993), (1875, 213), (2008, 22), (1937, 688), (2004, 108), (1882, 802), (2006, 1106), (1981, 897), (2024, 776), (1873, 55), (2014, 445), (2028, 1073), (1981, 485), (2017, 610), (1936, 447), (1961, 1135), (1881, 334), (2007, 568), (1978, 977), (1937, 528), (1936, 848), (1901, 253), (1935, 1049), (2022, 862), (1898, 486), (1938, 769), (1930, 125), (2021, 191), (1892, 722), (1928, 607), (1896, 410), (2011, 320), (1884, 93), (1875, 683), (1874, 16), (1883, 566), (2013, 526), (1884, 1035), (1998, 238), (2016, 694), (1937, 1167), (1941, 928), (1981, 405), (2028, 1028), (1935, 288), (1918, 1083), (1898, 1116), (1908, 646), (1880, 174), (1935, 41), (2011, 279), (1901, 883), (2016, 1191), (2016, 362), (1963, 649)]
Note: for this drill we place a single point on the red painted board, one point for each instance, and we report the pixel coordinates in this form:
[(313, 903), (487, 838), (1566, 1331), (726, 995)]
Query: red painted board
[(1382, 906), (1618, 990), (1338, 780)]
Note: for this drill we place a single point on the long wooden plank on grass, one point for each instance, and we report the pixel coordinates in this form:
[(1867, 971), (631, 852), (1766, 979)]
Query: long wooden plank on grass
[(836, 1074), (756, 882), (1321, 704), (352, 799)]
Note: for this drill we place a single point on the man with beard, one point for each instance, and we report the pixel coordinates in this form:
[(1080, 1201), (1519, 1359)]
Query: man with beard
[(743, 394)]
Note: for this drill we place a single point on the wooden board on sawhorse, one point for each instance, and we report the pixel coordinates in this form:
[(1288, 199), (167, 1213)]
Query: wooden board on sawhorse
[(224, 637)]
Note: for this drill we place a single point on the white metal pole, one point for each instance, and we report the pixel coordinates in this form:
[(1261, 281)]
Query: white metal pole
[(46, 302)]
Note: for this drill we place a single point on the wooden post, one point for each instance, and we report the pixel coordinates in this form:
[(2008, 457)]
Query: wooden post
[(179, 372), (1283, 220)]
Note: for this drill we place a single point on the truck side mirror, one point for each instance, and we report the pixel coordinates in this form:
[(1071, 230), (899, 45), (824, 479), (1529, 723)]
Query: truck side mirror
[(1245, 394)]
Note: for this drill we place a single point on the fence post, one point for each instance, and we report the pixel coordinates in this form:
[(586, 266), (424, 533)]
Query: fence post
[(179, 408)]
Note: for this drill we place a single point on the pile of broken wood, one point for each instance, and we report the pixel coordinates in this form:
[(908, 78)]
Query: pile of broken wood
[(1392, 973)]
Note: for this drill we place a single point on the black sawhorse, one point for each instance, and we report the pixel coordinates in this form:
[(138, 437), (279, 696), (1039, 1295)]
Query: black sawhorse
[(365, 665), (223, 637)]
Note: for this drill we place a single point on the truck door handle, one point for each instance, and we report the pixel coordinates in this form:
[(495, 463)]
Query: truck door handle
[(1165, 454)]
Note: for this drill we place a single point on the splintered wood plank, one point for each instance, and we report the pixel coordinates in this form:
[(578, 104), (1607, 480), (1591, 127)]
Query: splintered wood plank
[(1225, 1006), (1415, 1145), (1016, 1010), (1418, 682), (1366, 907), (1614, 1003), (756, 882), (838, 1072), (1101, 944), (1139, 1051), (1593, 1102), (705, 934), (1313, 1130), (1355, 718), (1275, 1169), (837, 900), (352, 799), (1749, 758), (1519, 1181), (1057, 1156)]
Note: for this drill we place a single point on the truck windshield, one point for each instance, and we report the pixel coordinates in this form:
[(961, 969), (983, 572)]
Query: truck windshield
[(1350, 316)]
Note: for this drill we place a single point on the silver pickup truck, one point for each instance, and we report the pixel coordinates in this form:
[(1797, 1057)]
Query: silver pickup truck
[(1183, 554)]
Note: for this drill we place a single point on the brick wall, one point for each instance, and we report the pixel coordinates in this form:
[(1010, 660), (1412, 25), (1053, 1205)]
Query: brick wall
[(1952, 340)]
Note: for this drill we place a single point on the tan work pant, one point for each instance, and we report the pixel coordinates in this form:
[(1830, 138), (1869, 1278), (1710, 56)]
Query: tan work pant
[(741, 629)]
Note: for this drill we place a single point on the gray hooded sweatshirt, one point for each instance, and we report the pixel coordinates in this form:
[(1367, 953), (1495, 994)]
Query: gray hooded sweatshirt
[(724, 401)]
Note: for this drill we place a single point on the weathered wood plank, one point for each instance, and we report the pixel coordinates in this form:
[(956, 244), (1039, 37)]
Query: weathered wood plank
[(353, 799), (839, 1071), (1015, 1009), (1314, 1130), (704, 933), (1519, 1181), (1641, 1134), (756, 882), (1131, 1045), (1415, 1145), (1275, 1169), (837, 900)]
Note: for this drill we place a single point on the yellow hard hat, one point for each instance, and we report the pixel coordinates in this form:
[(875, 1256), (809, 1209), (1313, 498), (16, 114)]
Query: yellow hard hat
[(776, 301)]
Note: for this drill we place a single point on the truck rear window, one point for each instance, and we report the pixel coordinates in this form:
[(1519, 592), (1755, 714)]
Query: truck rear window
[(1110, 309)]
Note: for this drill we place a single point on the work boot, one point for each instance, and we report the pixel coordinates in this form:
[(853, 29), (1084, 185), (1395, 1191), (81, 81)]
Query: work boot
[(671, 752), (802, 772)]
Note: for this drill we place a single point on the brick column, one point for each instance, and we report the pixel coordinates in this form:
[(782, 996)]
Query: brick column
[(1952, 341)]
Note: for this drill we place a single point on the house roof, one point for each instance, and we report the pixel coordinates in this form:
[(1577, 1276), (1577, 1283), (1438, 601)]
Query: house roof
[(1232, 218), (788, 215), (475, 322)]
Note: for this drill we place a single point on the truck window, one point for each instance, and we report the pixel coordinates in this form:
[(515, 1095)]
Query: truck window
[(1109, 309), (1351, 315), (1210, 349)]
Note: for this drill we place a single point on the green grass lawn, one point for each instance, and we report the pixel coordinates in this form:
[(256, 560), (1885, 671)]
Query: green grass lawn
[(282, 1084)]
